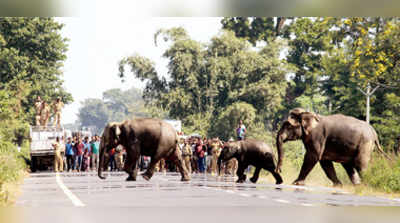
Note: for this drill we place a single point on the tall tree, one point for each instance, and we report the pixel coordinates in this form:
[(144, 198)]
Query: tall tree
[(204, 79), (32, 53)]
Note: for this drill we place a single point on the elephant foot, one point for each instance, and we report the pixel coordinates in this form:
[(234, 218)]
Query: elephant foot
[(130, 178), (146, 177), (279, 181), (299, 183), (253, 180), (185, 179), (241, 179), (337, 184)]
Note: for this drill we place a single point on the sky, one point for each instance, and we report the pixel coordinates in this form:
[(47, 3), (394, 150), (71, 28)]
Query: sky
[(98, 41)]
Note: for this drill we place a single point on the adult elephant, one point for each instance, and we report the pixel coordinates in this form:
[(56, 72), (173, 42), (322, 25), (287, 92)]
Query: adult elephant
[(141, 136), (250, 152), (328, 139)]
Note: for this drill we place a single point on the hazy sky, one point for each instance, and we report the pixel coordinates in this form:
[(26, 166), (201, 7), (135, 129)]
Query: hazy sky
[(98, 42)]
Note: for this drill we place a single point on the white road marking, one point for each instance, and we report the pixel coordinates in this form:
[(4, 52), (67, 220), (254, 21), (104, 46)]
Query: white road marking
[(245, 195), (282, 201), (306, 204), (75, 200)]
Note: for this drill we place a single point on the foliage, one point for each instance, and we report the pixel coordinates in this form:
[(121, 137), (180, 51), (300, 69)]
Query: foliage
[(206, 81), (32, 53), (383, 176), (116, 105)]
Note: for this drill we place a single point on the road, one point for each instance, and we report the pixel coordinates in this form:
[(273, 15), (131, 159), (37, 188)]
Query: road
[(167, 196)]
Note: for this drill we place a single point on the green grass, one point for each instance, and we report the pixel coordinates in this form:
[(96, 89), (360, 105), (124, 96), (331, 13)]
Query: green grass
[(12, 170)]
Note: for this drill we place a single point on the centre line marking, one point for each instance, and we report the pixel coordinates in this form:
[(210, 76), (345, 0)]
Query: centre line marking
[(75, 200)]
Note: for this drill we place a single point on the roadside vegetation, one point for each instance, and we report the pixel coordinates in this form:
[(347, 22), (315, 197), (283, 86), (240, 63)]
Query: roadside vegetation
[(32, 53), (13, 169)]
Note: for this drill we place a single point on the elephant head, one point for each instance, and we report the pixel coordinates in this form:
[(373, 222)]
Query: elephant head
[(230, 150), (298, 126), (110, 139)]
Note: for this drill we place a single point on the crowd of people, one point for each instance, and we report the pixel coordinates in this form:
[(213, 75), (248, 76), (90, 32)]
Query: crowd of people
[(199, 155), (77, 154)]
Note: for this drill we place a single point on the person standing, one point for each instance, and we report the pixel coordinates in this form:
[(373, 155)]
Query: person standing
[(201, 155), (38, 110), (119, 158), (95, 152), (45, 114), (111, 155), (69, 153), (58, 161), (187, 156), (216, 146), (241, 131), (79, 154), (57, 107)]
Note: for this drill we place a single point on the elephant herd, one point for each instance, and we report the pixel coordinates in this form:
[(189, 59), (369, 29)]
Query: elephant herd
[(327, 139)]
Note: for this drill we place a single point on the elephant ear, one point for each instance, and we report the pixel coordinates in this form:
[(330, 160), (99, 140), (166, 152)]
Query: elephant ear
[(294, 116), (309, 121), (293, 120)]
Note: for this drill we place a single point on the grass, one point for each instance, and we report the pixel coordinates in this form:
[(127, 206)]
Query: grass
[(381, 178), (12, 170)]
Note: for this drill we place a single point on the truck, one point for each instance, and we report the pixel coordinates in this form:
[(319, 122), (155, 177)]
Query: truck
[(41, 149)]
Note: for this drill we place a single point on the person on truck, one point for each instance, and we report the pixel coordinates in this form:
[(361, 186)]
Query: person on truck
[(45, 114), (57, 107), (38, 110)]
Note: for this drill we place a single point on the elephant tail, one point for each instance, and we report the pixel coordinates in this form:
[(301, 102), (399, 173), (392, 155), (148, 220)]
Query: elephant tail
[(380, 150)]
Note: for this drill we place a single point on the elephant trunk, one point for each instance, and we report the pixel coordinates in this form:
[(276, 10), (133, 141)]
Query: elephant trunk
[(219, 164), (101, 161), (279, 141)]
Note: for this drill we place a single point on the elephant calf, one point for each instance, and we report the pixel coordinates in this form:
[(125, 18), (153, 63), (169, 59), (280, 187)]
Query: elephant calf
[(250, 152)]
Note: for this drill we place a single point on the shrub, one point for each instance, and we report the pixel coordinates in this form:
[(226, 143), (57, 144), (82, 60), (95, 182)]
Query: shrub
[(12, 169), (383, 175)]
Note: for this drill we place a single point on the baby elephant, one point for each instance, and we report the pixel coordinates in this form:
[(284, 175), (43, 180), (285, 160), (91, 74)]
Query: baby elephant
[(250, 152)]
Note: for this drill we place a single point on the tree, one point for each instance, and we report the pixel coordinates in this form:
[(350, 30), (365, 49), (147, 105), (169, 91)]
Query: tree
[(115, 106), (205, 79), (32, 53)]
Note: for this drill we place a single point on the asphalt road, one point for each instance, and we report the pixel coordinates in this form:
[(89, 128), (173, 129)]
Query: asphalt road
[(165, 196)]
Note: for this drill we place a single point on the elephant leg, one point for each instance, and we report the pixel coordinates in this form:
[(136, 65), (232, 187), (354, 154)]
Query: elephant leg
[(330, 172), (256, 175), (310, 159), (150, 170), (351, 171), (240, 173), (131, 166), (363, 157), (177, 158), (272, 169)]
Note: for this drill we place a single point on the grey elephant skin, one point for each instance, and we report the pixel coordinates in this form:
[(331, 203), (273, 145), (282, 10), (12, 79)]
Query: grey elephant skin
[(141, 136), (328, 139), (250, 152)]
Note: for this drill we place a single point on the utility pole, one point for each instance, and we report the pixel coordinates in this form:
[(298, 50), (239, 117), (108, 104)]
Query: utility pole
[(368, 93)]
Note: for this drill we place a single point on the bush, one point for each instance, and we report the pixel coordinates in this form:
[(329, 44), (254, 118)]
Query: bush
[(383, 175), (12, 169)]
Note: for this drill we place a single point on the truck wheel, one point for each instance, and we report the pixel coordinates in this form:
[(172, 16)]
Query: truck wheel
[(33, 164)]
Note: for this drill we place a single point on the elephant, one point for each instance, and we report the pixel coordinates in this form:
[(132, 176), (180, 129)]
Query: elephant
[(141, 136), (328, 139), (250, 152)]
